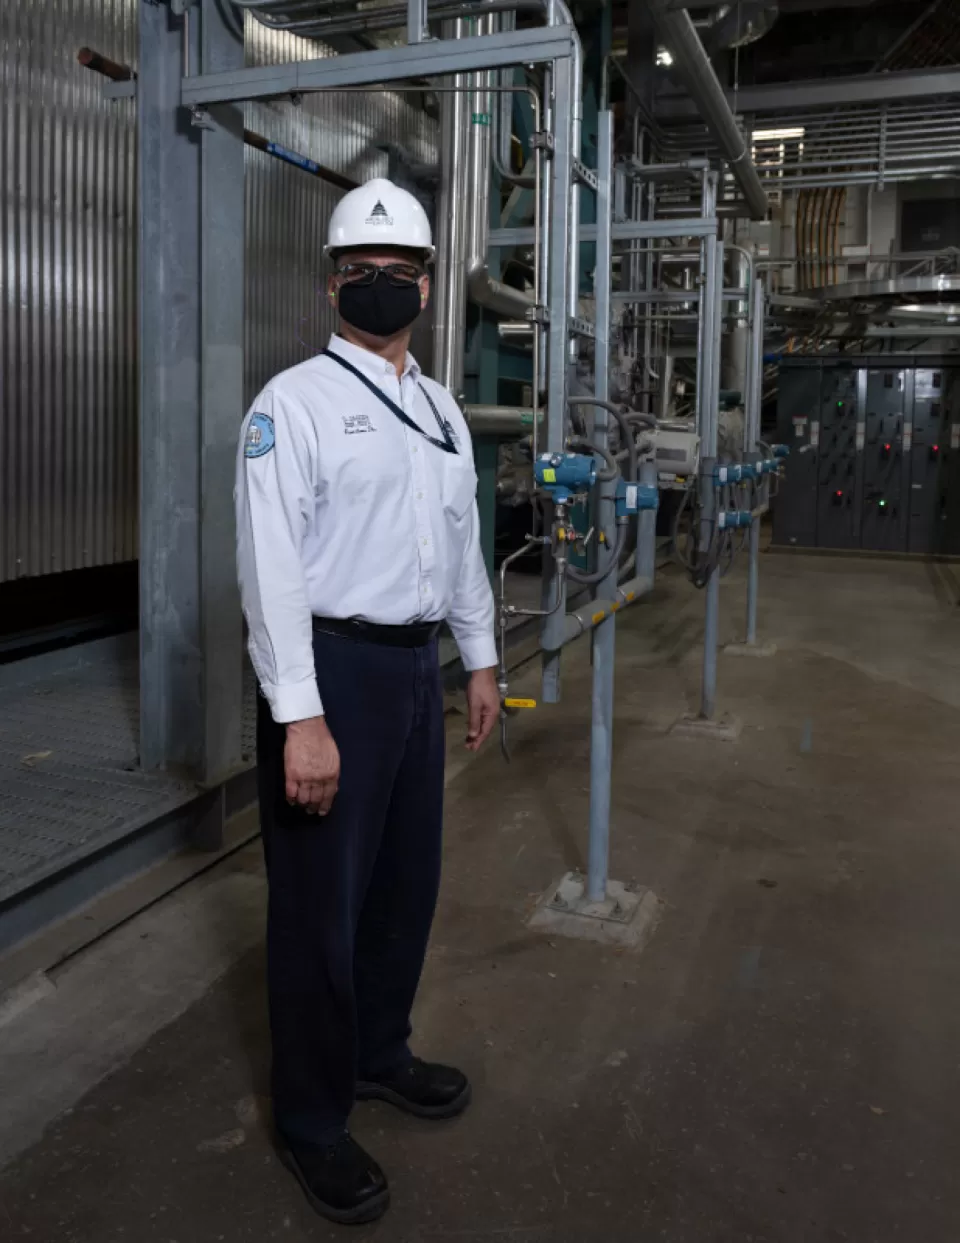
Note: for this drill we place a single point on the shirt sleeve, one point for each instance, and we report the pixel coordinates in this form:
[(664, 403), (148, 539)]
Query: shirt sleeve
[(274, 497), (471, 614)]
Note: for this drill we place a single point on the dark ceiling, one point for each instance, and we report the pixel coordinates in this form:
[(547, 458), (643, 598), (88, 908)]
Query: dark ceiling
[(810, 39)]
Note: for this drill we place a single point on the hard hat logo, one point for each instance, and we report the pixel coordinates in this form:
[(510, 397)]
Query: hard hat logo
[(379, 216)]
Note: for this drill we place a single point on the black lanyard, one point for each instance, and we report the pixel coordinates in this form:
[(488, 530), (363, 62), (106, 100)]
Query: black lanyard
[(446, 444)]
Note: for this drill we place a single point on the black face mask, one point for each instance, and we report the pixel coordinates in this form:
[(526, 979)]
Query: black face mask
[(381, 309)]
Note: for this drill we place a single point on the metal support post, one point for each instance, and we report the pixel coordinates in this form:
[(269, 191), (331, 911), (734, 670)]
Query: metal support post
[(753, 413), (561, 172), (171, 727), (601, 721), (416, 21), (191, 368), (221, 401), (711, 384), (753, 576)]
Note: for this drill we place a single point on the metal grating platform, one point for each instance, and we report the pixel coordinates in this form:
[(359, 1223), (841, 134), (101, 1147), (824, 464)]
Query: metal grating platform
[(69, 781)]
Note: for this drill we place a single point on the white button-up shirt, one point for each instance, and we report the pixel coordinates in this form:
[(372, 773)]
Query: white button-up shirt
[(344, 512)]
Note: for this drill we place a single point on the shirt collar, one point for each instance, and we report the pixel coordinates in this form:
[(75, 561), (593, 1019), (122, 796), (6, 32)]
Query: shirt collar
[(372, 364)]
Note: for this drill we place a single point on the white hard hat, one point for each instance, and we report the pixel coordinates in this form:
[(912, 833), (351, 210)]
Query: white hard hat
[(379, 214)]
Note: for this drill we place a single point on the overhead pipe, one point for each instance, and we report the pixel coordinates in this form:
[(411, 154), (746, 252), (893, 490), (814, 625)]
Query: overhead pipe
[(692, 66), (339, 20), (507, 420), (117, 72)]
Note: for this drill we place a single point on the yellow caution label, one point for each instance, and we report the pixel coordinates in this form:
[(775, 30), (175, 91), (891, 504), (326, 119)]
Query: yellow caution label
[(630, 595), (519, 703), (597, 618), (549, 475), (614, 607)]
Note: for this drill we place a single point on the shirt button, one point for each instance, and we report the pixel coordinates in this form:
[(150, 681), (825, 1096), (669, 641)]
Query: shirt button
[(425, 542), (419, 496), (413, 449)]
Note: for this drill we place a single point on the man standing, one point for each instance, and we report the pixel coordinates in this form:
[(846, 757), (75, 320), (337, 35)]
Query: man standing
[(357, 535)]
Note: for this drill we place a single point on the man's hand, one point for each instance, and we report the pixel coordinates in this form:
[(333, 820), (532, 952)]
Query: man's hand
[(311, 765), (483, 707)]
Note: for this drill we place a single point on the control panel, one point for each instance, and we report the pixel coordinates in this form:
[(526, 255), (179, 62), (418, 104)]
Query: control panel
[(875, 455)]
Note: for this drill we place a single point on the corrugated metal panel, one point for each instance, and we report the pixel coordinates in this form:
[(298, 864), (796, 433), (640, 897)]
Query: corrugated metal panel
[(67, 292), (68, 429), (288, 315)]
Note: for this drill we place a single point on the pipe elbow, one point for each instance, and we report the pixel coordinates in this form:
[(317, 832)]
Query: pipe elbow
[(494, 295)]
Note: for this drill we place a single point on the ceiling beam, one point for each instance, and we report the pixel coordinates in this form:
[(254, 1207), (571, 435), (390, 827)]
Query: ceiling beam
[(827, 92)]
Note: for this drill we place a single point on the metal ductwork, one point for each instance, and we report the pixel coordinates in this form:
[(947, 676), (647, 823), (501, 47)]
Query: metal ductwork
[(736, 25), (692, 66)]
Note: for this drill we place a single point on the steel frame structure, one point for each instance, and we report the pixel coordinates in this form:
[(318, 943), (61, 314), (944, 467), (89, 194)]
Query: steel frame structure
[(191, 248), (191, 296)]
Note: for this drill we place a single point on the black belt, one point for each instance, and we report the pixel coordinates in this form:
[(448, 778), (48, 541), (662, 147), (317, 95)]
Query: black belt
[(417, 635)]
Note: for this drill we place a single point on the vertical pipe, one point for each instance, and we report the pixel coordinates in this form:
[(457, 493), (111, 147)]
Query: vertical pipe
[(711, 379), (604, 636), (558, 272), (752, 436), (558, 13), (450, 284), (647, 535), (416, 20), (753, 574)]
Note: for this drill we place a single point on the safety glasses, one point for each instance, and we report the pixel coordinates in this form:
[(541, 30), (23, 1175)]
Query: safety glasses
[(400, 274)]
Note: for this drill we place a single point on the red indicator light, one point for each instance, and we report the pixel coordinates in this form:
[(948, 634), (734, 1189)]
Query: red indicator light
[(936, 448), (839, 493), (887, 447)]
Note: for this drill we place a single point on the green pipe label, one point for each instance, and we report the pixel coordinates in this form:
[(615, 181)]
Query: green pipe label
[(481, 118)]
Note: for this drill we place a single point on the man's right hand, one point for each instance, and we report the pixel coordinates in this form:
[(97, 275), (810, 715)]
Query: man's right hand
[(311, 765)]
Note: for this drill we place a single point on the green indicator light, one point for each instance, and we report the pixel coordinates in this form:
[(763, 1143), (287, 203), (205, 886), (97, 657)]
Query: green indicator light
[(882, 503)]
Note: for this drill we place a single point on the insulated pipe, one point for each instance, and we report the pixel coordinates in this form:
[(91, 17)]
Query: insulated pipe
[(737, 361), (449, 333), (693, 67), (559, 15), (483, 289), (340, 22), (508, 420)]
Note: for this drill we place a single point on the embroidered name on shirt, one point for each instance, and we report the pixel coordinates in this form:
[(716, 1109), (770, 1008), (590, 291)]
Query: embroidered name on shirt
[(353, 424)]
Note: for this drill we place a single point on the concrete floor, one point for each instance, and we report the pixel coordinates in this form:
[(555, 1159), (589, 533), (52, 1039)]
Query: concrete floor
[(779, 1064)]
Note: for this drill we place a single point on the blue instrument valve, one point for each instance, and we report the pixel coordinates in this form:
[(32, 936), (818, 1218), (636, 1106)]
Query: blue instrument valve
[(632, 497), (730, 518), (563, 475)]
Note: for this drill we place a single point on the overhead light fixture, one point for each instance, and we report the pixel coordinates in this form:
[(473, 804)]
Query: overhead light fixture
[(664, 57), (778, 135)]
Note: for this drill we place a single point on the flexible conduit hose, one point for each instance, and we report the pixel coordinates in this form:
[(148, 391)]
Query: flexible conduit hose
[(610, 471), (624, 419), (590, 578)]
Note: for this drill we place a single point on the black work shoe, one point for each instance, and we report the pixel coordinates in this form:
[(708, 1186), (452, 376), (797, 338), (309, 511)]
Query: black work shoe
[(341, 1181), (421, 1088)]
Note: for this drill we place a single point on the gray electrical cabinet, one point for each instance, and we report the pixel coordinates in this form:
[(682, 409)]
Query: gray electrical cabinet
[(874, 455)]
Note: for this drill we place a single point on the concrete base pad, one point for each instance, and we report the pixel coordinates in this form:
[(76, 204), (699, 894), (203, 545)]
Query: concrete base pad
[(626, 917), (725, 728), (750, 649)]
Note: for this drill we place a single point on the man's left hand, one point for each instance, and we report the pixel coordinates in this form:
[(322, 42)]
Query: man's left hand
[(483, 707)]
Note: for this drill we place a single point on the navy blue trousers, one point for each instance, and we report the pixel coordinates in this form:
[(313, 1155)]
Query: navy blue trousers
[(352, 894)]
